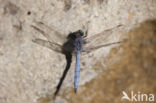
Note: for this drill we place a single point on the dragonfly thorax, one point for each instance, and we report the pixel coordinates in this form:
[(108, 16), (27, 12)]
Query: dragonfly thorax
[(78, 43), (77, 38)]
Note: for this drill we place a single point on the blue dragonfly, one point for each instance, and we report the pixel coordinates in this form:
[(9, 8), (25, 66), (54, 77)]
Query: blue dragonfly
[(75, 43)]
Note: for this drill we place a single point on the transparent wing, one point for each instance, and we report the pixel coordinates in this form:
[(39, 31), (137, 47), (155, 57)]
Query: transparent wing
[(89, 49), (101, 40), (49, 43), (48, 32)]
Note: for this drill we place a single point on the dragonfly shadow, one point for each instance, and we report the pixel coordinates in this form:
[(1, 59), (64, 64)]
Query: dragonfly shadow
[(69, 61), (67, 50)]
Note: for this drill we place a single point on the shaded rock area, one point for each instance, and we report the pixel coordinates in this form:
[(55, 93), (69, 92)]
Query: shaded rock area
[(132, 67), (29, 73)]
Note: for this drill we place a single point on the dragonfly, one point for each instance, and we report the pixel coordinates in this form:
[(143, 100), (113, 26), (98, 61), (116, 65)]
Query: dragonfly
[(77, 43)]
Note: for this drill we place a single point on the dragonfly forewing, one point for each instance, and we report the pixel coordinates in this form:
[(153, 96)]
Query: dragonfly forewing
[(49, 33), (99, 38)]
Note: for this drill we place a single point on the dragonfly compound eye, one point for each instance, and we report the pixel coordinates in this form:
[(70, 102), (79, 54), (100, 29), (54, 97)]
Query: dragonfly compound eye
[(81, 32)]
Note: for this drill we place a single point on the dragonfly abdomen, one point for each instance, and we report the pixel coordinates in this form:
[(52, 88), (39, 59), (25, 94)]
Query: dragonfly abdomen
[(77, 71)]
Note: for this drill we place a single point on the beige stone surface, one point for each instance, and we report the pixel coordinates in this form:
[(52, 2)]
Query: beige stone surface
[(29, 71)]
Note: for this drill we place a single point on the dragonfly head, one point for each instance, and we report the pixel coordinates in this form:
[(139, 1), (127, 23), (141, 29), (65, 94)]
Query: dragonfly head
[(75, 34), (80, 32)]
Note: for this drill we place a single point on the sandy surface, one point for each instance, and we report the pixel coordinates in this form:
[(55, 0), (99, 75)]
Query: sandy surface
[(29, 72)]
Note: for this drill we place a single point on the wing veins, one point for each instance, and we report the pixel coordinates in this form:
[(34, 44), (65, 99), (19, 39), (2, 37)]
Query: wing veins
[(53, 46), (89, 49), (46, 30), (103, 33), (42, 32)]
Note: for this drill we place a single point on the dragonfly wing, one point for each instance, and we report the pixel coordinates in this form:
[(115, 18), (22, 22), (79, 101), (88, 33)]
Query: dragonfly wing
[(100, 38), (48, 44), (89, 49), (48, 32)]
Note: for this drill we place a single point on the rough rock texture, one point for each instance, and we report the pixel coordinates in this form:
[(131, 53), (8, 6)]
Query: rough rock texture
[(29, 72)]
